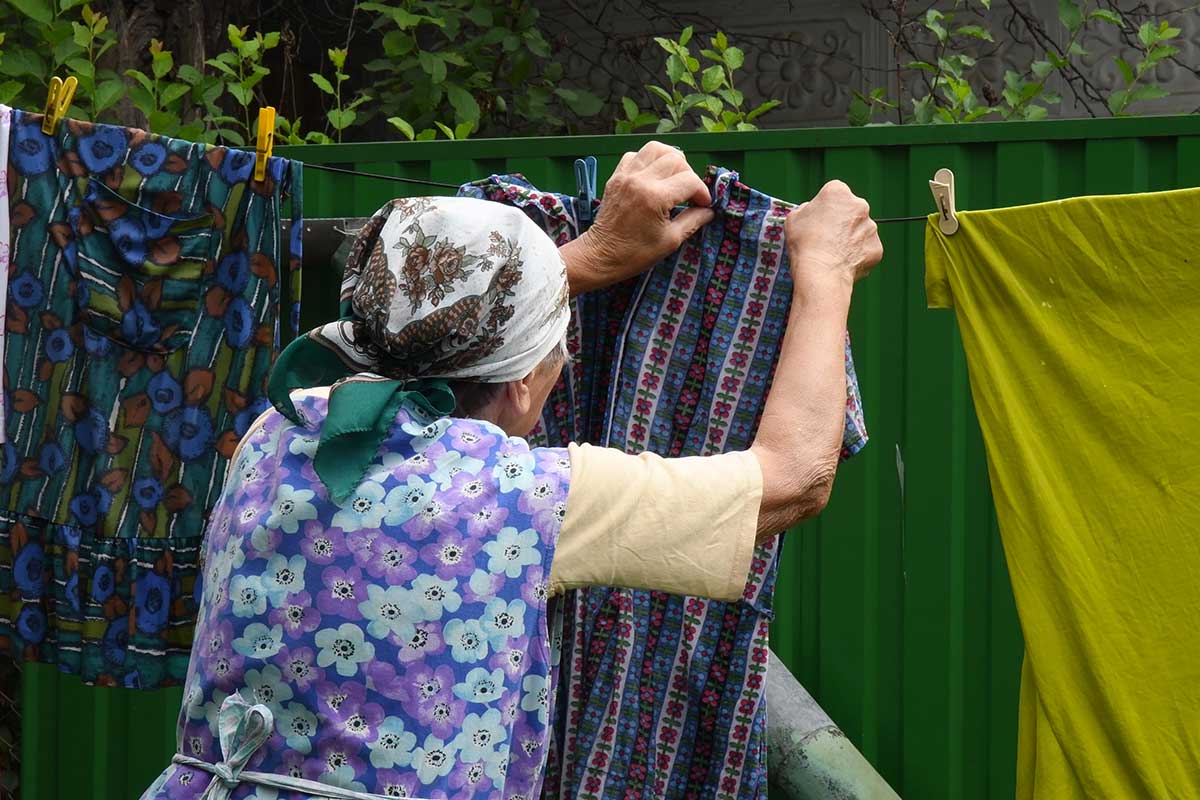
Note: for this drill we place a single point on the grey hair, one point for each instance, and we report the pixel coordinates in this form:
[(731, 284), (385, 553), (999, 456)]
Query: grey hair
[(471, 397)]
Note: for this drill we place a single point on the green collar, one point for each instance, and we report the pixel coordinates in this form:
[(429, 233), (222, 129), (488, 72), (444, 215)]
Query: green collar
[(361, 411)]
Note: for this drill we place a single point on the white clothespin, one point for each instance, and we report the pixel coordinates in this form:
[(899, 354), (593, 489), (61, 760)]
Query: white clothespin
[(942, 187)]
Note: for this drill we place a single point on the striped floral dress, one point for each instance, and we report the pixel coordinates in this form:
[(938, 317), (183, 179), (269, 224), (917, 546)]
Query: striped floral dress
[(661, 696)]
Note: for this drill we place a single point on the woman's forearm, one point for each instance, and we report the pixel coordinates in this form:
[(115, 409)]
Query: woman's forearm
[(799, 438)]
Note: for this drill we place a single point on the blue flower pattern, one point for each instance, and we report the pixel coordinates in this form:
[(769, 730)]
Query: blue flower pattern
[(430, 683)]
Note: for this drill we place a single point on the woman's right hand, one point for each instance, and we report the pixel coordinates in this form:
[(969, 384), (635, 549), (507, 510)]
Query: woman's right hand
[(832, 236)]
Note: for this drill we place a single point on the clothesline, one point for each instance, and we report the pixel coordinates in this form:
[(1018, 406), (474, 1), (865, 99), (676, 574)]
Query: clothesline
[(444, 185)]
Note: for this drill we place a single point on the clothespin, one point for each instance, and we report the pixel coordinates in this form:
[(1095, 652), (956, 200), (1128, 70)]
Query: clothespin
[(58, 100), (942, 187), (266, 141), (585, 187)]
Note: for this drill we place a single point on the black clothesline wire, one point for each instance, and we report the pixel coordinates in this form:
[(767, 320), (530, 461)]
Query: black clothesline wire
[(443, 185)]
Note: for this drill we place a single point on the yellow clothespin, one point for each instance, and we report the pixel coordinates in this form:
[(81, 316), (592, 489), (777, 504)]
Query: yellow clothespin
[(266, 141), (58, 100), (942, 187)]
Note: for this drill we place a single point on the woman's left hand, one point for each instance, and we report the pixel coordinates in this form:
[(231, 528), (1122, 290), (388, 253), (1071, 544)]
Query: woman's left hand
[(634, 228)]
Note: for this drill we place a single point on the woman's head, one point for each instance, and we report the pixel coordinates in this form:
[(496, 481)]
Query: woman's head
[(460, 289)]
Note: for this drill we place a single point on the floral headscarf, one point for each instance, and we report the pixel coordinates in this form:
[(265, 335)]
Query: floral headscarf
[(435, 288)]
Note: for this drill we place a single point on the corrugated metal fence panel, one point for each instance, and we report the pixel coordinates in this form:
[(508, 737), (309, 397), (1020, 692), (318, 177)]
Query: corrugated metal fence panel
[(894, 608)]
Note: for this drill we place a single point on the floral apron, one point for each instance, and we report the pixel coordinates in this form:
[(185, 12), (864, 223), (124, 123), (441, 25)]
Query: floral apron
[(397, 643)]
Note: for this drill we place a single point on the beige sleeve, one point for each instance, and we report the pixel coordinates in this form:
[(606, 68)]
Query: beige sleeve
[(679, 525)]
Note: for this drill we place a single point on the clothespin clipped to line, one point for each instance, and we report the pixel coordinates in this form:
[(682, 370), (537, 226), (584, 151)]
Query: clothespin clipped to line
[(265, 144), (58, 100), (942, 187), (585, 187)]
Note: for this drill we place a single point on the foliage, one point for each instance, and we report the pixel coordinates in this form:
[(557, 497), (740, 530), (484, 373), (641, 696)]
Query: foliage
[(450, 67), (467, 66), (708, 91), (948, 49), (43, 38)]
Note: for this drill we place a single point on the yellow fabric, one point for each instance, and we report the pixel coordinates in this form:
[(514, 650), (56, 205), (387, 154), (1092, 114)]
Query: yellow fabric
[(1080, 321), (678, 525)]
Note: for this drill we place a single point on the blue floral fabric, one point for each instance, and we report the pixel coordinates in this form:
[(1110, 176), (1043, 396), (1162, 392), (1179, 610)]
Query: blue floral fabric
[(148, 285), (400, 638)]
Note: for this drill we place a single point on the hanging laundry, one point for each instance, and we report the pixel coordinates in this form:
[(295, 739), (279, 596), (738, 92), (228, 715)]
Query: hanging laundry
[(1078, 320), (5, 127), (144, 314), (661, 696)]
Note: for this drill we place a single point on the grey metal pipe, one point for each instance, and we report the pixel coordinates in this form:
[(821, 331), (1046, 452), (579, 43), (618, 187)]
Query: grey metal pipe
[(808, 756)]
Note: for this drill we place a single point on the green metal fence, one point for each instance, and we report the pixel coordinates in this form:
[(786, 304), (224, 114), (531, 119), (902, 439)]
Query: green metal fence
[(895, 608)]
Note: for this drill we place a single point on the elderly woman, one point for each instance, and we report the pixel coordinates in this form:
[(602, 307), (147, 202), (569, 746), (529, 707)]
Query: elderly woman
[(373, 621)]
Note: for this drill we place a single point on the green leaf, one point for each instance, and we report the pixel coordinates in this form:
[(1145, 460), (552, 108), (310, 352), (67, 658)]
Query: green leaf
[(81, 35), (107, 94), (81, 67), (665, 126), (480, 16), (1118, 100), (924, 66), (693, 64), (710, 125), (1070, 14), (510, 43), (402, 126), (1077, 49), (686, 36), (9, 90), (762, 109), (41, 11), (142, 100), (719, 41), (173, 92), (449, 133), (232, 137), (734, 58), (241, 94), (1126, 70), (923, 109), (1054, 58), (986, 4), (189, 74), (1041, 69), (162, 64), (433, 66), (537, 44), (1148, 92), (163, 122), (341, 118), (733, 97), (1034, 113), (466, 109), (1107, 16), (397, 43), (66, 49), (644, 119), (21, 62), (933, 22), (463, 130), (712, 78), (222, 67), (1147, 34), (322, 82), (582, 103), (630, 108), (141, 78), (675, 69), (235, 34), (661, 93), (714, 105), (427, 135), (974, 31), (713, 55), (860, 110), (270, 40)]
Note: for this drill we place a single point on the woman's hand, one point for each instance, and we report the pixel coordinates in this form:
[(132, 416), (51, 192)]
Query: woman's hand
[(634, 228), (832, 236)]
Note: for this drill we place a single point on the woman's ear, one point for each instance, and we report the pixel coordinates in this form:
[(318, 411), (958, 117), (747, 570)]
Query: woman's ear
[(518, 396)]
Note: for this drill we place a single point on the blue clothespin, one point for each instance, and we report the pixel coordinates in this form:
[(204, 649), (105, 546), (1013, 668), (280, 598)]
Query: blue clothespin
[(585, 188)]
